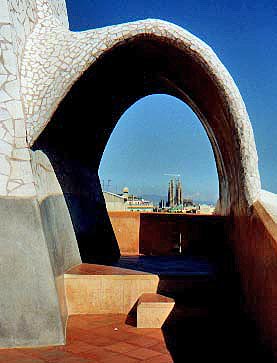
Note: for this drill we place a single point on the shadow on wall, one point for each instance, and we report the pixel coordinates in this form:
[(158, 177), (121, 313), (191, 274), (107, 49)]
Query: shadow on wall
[(167, 234), (211, 320), (82, 192), (208, 322), (237, 320)]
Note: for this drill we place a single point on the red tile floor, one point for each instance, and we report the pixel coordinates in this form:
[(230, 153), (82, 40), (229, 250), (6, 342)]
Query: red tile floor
[(98, 338)]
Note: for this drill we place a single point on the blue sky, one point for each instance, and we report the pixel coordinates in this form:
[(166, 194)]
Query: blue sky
[(244, 36)]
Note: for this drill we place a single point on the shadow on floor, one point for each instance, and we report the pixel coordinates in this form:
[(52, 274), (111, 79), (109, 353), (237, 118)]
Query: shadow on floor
[(207, 323), (178, 265), (210, 329)]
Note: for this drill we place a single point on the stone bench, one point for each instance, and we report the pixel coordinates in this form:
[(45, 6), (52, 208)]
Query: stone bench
[(153, 309)]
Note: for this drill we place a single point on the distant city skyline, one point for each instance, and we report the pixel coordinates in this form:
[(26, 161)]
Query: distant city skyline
[(160, 135)]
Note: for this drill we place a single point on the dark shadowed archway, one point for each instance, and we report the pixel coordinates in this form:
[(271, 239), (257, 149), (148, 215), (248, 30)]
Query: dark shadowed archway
[(142, 65)]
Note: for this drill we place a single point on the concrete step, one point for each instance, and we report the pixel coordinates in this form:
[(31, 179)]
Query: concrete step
[(153, 309), (99, 289)]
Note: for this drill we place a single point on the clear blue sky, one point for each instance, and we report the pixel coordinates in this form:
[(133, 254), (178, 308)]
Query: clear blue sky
[(244, 36)]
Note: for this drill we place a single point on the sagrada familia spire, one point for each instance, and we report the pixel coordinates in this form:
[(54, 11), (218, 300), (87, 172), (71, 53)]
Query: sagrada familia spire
[(171, 193), (178, 193), (176, 199)]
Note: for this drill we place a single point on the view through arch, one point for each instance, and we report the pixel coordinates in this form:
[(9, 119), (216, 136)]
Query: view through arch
[(129, 71), (159, 135), (157, 142)]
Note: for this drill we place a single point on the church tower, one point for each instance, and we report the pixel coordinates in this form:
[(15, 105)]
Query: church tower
[(171, 194), (178, 193)]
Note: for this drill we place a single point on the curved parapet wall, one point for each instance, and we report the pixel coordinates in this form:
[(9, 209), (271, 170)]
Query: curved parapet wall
[(254, 244)]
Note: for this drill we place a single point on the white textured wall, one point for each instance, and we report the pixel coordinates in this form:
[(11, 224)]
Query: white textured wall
[(18, 19), (15, 171)]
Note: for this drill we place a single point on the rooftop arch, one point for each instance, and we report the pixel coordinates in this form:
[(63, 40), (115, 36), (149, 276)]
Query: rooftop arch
[(134, 66), (152, 56)]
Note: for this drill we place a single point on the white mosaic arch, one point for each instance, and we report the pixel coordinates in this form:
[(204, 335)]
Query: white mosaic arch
[(51, 58)]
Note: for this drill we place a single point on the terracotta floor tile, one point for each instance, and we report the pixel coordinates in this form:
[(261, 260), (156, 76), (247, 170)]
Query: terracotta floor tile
[(124, 359), (164, 358), (99, 354), (93, 353), (79, 323), (97, 324), (143, 341), (122, 335), (12, 355), (102, 331), (105, 320), (161, 348), (78, 347), (142, 353), (121, 347), (131, 332), (73, 334), (117, 319), (76, 359), (157, 334), (53, 356), (115, 333), (106, 356), (39, 352), (106, 328), (23, 360), (147, 331), (140, 331), (97, 339), (128, 327)]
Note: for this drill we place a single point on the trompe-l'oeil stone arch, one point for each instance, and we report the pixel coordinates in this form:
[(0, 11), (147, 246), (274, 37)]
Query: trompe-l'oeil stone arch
[(62, 94)]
